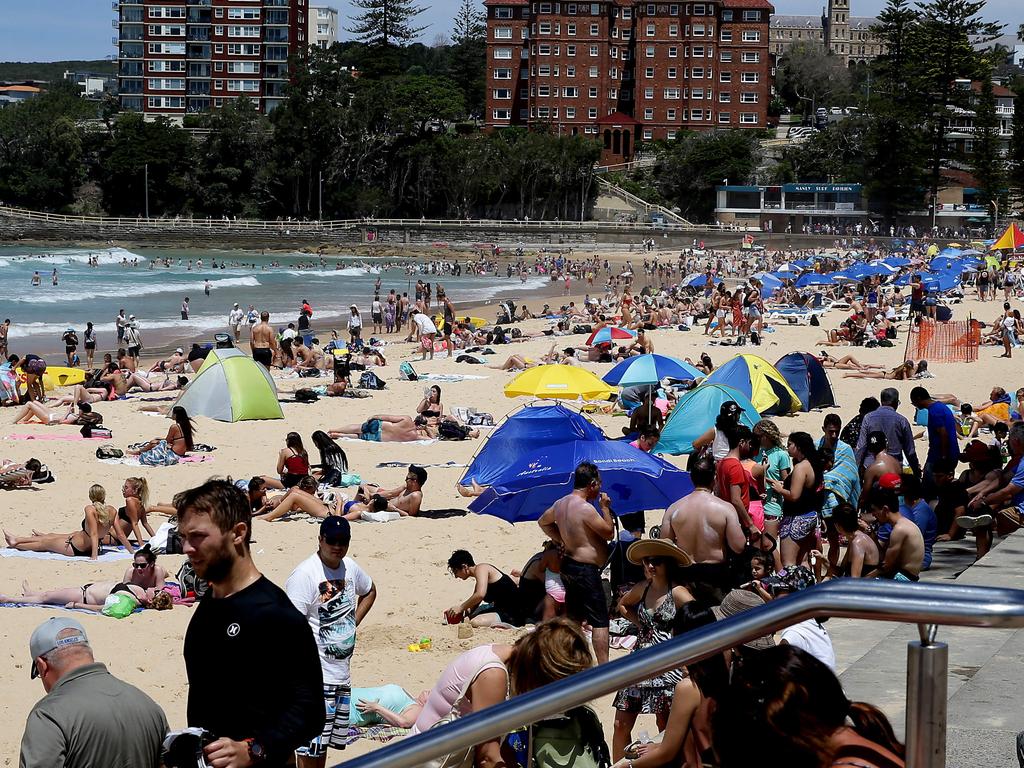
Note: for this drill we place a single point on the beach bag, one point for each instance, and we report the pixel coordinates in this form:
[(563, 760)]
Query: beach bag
[(582, 329), (91, 431), (119, 606), (309, 373), (190, 581), (306, 396), (449, 429), (407, 373), (575, 739), (370, 380), (814, 320), (463, 758), (480, 420), (109, 452)]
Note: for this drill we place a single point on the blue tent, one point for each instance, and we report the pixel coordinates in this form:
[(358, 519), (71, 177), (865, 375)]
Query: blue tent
[(807, 377), (528, 429), (634, 480), (695, 414)]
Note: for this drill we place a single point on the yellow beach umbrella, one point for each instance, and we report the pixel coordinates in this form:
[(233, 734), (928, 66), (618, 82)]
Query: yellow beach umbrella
[(558, 381)]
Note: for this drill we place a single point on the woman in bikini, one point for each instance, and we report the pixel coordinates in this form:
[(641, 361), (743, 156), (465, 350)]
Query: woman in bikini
[(846, 363), (903, 372), (92, 596), (164, 452), (431, 405), (98, 523), (33, 412), (134, 512), (292, 463), (302, 498)]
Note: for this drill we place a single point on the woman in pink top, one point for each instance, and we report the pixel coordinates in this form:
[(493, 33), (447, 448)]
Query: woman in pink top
[(485, 665)]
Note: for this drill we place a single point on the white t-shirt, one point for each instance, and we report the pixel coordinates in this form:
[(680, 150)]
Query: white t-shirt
[(355, 321), (424, 324), (235, 316), (327, 598), (810, 636), (289, 333)]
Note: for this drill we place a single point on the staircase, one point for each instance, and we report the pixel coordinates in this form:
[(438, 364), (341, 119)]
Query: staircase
[(986, 666), (612, 197)]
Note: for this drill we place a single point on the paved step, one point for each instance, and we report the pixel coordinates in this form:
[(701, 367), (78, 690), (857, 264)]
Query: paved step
[(986, 667)]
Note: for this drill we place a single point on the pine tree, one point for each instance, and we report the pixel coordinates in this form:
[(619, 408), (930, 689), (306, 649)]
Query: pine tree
[(987, 163), (383, 26), (1015, 156), (468, 56)]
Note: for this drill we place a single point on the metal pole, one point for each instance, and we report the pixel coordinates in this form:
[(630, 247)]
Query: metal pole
[(145, 169), (320, 215), (927, 668)]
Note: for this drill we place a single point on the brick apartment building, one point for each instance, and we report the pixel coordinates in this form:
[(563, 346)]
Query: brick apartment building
[(178, 57), (626, 71)]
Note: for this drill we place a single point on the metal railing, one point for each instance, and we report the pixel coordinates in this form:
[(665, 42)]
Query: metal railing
[(927, 605)]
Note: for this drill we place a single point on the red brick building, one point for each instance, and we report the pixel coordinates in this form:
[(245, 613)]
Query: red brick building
[(625, 71), (178, 57)]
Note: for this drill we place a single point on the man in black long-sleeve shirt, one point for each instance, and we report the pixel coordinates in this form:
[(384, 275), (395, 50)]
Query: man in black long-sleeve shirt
[(253, 669)]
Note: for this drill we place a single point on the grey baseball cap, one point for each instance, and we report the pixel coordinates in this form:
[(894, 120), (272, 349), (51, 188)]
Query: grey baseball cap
[(53, 634)]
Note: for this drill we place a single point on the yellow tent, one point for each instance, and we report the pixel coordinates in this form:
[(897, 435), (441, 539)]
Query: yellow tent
[(1010, 239)]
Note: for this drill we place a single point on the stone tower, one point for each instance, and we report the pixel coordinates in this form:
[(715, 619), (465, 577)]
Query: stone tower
[(837, 34)]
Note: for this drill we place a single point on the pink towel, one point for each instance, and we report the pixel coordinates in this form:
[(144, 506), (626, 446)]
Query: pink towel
[(52, 437), (195, 458)]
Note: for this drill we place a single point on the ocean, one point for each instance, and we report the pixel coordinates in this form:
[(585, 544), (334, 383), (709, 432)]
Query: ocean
[(40, 315)]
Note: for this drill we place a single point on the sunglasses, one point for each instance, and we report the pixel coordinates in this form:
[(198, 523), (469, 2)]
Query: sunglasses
[(140, 566), (335, 541), (655, 561)]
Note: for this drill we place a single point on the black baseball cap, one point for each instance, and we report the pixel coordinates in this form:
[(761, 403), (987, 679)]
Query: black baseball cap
[(335, 527)]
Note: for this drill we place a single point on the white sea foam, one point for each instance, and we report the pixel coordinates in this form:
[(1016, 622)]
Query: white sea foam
[(48, 295), (345, 272), (80, 256)]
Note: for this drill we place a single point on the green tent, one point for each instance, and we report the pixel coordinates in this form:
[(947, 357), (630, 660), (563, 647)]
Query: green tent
[(231, 386)]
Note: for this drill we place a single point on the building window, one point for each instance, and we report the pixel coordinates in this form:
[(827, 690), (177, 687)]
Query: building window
[(592, 113), (670, 135), (649, 51), (593, 30), (648, 114), (650, 9), (696, 114), (725, 77), (502, 114), (570, 92), (592, 93), (672, 73), (648, 72), (650, 30), (251, 14), (751, 15), (615, 53), (545, 7), (748, 98), (503, 93), (545, 70), (592, 72), (648, 93), (726, 15), (698, 72), (503, 53), (570, 112), (698, 30), (627, 13), (544, 90), (570, 50), (237, 31), (503, 13), (726, 36), (749, 77), (570, 71), (503, 74), (750, 36), (545, 28), (670, 114), (671, 93), (724, 97), (725, 55), (751, 57), (673, 51), (570, 29), (748, 118), (543, 111), (503, 33), (724, 117), (698, 9), (593, 50), (696, 93), (698, 51)]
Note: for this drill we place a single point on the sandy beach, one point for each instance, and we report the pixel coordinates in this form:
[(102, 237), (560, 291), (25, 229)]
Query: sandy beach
[(405, 558)]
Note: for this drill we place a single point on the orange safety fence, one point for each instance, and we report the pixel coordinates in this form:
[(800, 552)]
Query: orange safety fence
[(952, 342)]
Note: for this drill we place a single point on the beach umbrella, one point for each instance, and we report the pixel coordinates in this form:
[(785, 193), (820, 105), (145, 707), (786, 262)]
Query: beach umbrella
[(954, 252), (803, 263), (635, 481), (699, 281), (609, 334), (882, 268), (898, 261), (769, 283), (787, 267), (971, 252), (558, 381), (650, 369), (814, 279)]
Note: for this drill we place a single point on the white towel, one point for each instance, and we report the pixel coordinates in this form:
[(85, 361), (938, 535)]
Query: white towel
[(106, 555)]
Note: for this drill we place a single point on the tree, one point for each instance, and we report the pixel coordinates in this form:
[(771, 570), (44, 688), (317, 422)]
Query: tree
[(383, 26), (468, 55), (809, 77), (232, 162), (944, 49), (834, 154), (986, 161), (689, 168)]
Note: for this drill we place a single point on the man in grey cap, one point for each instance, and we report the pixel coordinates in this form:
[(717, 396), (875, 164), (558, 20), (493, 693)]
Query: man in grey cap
[(88, 717)]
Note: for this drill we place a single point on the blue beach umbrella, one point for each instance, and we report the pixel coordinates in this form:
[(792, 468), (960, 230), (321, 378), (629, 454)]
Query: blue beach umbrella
[(635, 481), (897, 261), (813, 279), (769, 283), (699, 281), (650, 369)]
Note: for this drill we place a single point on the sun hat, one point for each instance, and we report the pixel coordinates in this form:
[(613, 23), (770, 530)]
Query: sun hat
[(737, 601), (53, 634), (644, 548)]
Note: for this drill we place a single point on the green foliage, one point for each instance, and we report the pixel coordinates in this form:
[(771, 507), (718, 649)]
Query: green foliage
[(834, 154), (383, 26), (51, 71), (690, 167), (986, 162), (810, 76), (468, 54), (1016, 152), (41, 149), (231, 162)]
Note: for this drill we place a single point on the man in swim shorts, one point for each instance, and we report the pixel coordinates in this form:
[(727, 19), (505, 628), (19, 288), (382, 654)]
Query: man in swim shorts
[(263, 341), (583, 534), (370, 430)]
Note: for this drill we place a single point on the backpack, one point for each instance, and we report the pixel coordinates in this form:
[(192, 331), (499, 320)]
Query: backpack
[(575, 739), (582, 329), (109, 452), (449, 429), (814, 320), (190, 581), (306, 396), (407, 373), (370, 380)]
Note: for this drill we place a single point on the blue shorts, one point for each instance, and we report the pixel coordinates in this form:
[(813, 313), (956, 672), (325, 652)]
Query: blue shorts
[(370, 430)]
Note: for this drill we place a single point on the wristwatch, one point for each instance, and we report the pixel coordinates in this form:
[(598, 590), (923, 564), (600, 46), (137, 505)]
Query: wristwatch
[(256, 752)]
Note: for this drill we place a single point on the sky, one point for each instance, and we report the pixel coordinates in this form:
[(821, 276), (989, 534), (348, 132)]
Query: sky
[(57, 30)]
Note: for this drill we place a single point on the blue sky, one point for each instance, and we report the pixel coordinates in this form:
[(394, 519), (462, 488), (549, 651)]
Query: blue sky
[(54, 30)]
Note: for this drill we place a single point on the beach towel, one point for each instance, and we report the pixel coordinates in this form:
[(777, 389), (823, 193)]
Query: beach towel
[(425, 441), (73, 438), (133, 461), (107, 555), (450, 377), (406, 464), (842, 482), (382, 733), (55, 607)]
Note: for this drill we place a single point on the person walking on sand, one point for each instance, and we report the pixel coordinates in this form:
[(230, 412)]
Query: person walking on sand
[(235, 318), (583, 532), (263, 341)]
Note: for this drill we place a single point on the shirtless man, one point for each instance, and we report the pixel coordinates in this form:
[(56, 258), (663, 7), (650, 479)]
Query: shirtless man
[(386, 428), (173, 364), (643, 344), (263, 341), (882, 465), (707, 528), (304, 357), (905, 551), (405, 499), (116, 380), (583, 533)]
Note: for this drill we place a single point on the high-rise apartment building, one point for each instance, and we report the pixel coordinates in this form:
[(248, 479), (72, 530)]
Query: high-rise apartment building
[(625, 71), (178, 57), (323, 26)]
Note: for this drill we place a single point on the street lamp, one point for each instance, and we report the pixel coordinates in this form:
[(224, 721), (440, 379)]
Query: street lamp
[(145, 176)]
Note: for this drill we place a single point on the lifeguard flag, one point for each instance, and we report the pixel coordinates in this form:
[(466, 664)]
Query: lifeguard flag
[(1012, 238)]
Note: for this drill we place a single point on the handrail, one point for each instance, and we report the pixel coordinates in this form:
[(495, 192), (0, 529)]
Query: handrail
[(946, 604)]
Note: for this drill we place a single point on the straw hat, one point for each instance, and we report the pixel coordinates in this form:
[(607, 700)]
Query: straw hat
[(644, 548), (737, 601)]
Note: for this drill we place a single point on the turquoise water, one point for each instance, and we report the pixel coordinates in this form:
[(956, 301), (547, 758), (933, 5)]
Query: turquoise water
[(153, 292)]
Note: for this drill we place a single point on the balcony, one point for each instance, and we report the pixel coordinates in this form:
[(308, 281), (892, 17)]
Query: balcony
[(131, 69), (199, 35), (200, 3), (275, 71), (198, 88), (131, 15), (275, 53), (131, 103), (275, 35), (196, 105), (130, 86), (199, 70), (275, 17), (198, 16), (275, 3), (273, 90), (132, 51), (195, 51)]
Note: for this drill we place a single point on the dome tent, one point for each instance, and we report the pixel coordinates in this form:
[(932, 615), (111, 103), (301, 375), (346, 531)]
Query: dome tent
[(695, 414), (231, 386), (762, 384), (530, 428), (807, 377)]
